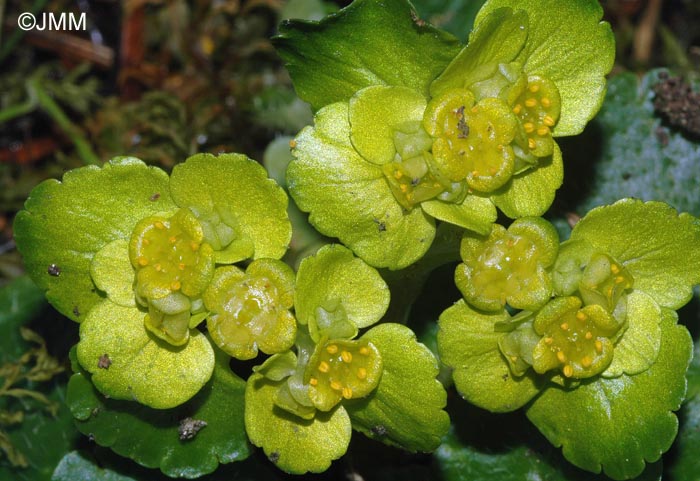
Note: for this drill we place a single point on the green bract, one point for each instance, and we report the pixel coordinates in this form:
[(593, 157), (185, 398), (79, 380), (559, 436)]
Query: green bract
[(301, 404), (134, 265), (589, 355), (389, 154)]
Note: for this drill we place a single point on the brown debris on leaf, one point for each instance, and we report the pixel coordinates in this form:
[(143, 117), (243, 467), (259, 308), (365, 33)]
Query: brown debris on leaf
[(189, 428)]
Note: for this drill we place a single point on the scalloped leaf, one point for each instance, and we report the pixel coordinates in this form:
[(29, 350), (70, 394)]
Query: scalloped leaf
[(366, 43), (151, 438), (142, 367), (64, 224), (659, 247), (532, 192), (375, 112), (406, 409), (294, 444), (474, 213), (468, 343), (640, 344), (236, 189), (112, 273), (568, 43), (350, 199), (499, 38), (335, 274), (78, 465), (618, 424), (459, 461)]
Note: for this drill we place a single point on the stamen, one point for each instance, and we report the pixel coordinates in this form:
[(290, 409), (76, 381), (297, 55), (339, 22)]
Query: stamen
[(313, 381), (568, 370), (175, 285), (347, 393), (564, 326), (586, 361), (529, 127), (530, 102), (332, 349), (542, 131), (548, 121), (546, 103), (561, 357), (143, 261), (362, 373), (346, 357), (598, 346), (324, 367), (336, 386), (531, 144)]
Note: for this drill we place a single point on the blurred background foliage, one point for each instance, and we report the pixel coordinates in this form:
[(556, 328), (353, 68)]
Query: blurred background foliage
[(164, 79)]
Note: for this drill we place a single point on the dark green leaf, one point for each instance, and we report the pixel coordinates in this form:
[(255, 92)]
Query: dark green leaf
[(619, 424), (367, 43), (150, 437)]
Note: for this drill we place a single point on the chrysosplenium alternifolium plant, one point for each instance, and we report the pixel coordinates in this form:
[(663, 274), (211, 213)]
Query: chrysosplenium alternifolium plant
[(175, 279)]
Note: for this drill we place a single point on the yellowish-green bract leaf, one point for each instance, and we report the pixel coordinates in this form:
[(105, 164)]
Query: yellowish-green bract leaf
[(113, 273), (335, 275), (367, 43), (141, 367), (468, 343), (659, 247), (295, 445), (151, 437), (639, 345), (498, 39), (64, 224), (474, 213), (235, 190), (618, 424), (375, 113), (406, 409), (567, 43), (349, 198), (531, 192)]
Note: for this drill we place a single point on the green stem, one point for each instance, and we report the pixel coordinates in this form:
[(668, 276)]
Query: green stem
[(19, 33), (406, 284), (82, 146), (18, 110)]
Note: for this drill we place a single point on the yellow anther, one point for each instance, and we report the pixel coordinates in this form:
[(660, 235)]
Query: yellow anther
[(194, 246), (609, 291), (475, 109), (159, 225), (529, 127), (404, 188), (364, 350), (475, 173), (324, 367), (172, 239), (599, 346), (313, 381), (581, 316), (548, 121), (397, 174), (175, 285), (614, 268), (517, 109), (561, 356), (546, 103), (146, 242), (534, 88), (362, 373), (564, 326), (292, 144), (336, 386), (346, 357), (436, 184), (143, 261), (513, 358), (181, 266), (619, 280), (542, 131), (531, 143), (530, 102), (499, 147), (332, 349), (589, 335), (493, 170), (568, 371), (158, 267), (586, 361), (347, 393), (548, 340)]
